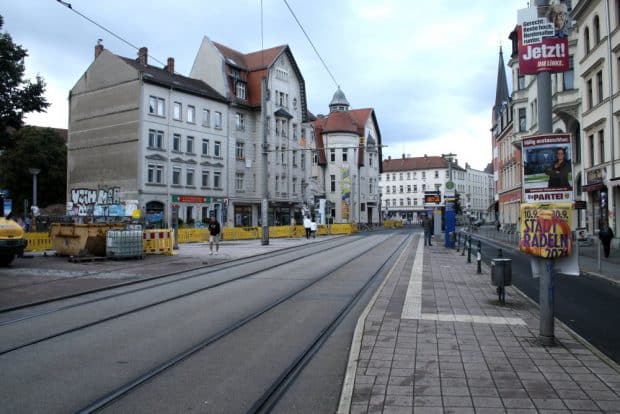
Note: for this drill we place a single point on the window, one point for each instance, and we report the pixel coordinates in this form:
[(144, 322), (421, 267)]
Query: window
[(283, 156), (424, 175), (217, 149), (591, 148), (284, 128), (240, 150), (332, 183), (415, 188), (332, 155), (189, 177), (294, 156), (205, 146), (589, 94), (387, 189), (156, 139), (176, 142), (437, 187), (155, 173), (569, 76), (206, 117), (344, 155), (577, 144), (176, 175), (241, 90), (394, 189), (586, 40), (400, 176), (315, 158), (294, 132), (597, 30), (189, 145), (522, 120), (239, 121), (393, 177), (423, 187), (302, 160), (217, 122), (408, 188), (436, 174), (176, 111), (520, 82), (205, 178), (157, 106), (599, 85), (217, 180), (408, 201), (601, 146), (409, 176), (415, 175), (401, 189), (191, 114), (448, 174), (239, 181)]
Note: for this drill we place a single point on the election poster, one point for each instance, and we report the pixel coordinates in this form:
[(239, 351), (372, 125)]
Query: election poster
[(546, 230), (543, 41), (547, 168)]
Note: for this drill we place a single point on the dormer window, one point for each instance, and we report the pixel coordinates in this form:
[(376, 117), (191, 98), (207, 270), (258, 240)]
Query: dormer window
[(240, 90)]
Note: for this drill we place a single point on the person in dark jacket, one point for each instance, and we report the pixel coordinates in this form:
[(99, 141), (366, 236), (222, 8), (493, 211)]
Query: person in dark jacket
[(558, 171), (606, 234), (214, 235), (427, 225)]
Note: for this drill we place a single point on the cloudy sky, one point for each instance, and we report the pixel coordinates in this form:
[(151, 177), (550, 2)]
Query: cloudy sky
[(428, 68)]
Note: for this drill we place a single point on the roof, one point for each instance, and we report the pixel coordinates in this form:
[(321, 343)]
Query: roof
[(501, 89), (417, 163), (153, 74)]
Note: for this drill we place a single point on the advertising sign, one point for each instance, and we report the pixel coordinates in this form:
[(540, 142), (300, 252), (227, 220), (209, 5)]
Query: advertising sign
[(547, 168), (546, 230), (432, 198), (543, 41)]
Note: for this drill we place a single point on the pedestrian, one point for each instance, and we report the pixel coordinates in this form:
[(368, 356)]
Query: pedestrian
[(214, 235), (605, 234), (313, 228), (498, 225), (307, 225), (427, 225)]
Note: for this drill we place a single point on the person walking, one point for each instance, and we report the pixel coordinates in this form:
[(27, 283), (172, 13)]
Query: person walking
[(313, 228), (606, 234), (214, 235), (307, 226), (427, 225)]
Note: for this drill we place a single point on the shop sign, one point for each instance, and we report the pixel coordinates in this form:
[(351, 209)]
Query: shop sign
[(190, 199), (546, 230), (595, 176)]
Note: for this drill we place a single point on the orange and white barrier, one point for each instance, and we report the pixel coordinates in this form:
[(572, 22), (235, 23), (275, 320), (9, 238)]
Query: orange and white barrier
[(158, 241)]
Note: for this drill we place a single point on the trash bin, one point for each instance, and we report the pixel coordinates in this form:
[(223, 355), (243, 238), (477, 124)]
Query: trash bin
[(501, 272)]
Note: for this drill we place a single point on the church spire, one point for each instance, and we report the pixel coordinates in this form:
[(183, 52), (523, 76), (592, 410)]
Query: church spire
[(501, 91)]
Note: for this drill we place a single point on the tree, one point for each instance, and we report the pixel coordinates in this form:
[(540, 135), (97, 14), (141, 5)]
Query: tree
[(40, 148), (17, 96)]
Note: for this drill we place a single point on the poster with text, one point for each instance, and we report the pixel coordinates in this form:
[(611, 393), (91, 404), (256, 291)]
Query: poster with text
[(547, 168), (543, 41), (546, 230)]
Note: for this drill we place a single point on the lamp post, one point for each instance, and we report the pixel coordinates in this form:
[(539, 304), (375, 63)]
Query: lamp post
[(34, 172)]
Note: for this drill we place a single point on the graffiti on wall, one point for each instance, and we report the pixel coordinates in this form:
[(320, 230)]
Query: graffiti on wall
[(96, 202)]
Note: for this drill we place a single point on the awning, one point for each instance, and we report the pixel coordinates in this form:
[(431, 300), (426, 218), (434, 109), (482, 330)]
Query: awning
[(593, 187)]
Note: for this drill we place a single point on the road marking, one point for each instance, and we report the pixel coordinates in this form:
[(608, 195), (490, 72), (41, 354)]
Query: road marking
[(412, 308)]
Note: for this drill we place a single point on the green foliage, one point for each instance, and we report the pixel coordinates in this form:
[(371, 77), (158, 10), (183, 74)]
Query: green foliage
[(40, 148), (17, 96)]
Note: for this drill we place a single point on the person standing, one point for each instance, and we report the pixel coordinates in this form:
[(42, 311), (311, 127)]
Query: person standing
[(427, 225), (606, 234), (307, 226), (214, 235), (559, 170)]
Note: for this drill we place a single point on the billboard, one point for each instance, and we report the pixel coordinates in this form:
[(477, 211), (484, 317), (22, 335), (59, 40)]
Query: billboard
[(543, 41), (546, 230), (547, 168)]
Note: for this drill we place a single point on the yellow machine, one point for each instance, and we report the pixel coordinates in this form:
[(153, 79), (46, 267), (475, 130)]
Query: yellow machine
[(12, 241)]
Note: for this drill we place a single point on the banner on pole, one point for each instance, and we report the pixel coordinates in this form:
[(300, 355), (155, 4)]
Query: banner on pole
[(546, 230)]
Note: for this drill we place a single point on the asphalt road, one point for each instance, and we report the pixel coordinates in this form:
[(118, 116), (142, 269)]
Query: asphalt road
[(590, 306)]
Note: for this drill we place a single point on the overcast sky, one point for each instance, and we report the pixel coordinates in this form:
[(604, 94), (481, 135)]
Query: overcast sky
[(428, 68)]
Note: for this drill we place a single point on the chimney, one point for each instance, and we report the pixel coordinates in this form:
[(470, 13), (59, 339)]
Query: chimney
[(98, 48), (389, 158), (403, 155), (425, 156), (170, 66), (143, 54)]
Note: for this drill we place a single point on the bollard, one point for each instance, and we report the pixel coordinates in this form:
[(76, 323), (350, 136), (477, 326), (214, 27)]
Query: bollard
[(479, 258), (464, 244), (458, 242), (469, 250)]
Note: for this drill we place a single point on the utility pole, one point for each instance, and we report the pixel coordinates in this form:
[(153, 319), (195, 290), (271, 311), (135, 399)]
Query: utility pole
[(547, 278), (450, 213), (265, 172)]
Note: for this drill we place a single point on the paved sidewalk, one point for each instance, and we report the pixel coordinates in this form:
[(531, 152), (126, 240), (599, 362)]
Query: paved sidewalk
[(436, 340)]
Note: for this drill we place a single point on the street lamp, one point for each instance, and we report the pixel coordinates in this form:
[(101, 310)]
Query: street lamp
[(34, 172)]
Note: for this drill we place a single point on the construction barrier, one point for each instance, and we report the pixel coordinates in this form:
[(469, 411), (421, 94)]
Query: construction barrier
[(158, 241), (241, 233), (38, 242), (192, 235), (80, 239), (392, 224)]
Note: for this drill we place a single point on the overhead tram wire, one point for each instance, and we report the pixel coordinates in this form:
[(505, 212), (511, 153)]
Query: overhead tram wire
[(311, 44), (70, 7)]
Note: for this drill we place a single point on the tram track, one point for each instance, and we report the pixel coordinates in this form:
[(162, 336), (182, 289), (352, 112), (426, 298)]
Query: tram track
[(111, 317), (278, 387)]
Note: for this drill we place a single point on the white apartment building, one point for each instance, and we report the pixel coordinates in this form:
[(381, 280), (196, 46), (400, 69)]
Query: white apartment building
[(479, 194), (404, 182)]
